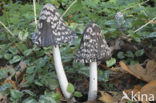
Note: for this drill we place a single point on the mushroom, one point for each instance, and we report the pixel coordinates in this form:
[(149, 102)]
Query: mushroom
[(93, 48), (52, 31)]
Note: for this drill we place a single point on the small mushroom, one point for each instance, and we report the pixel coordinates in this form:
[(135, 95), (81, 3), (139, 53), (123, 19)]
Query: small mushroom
[(52, 31), (93, 48)]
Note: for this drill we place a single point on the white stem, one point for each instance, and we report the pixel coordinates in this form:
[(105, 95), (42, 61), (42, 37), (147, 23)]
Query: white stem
[(60, 72), (34, 5), (92, 94)]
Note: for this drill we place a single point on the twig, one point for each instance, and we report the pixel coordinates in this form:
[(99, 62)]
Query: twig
[(68, 8), (134, 5), (7, 28), (34, 5), (144, 25), (143, 10)]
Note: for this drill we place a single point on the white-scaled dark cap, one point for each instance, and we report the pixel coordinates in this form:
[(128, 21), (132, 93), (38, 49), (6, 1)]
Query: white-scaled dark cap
[(51, 29), (93, 46)]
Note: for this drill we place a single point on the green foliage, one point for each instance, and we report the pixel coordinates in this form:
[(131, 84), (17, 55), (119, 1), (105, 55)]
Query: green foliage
[(19, 18), (70, 88), (111, 62), (15, 95), (78, 94)]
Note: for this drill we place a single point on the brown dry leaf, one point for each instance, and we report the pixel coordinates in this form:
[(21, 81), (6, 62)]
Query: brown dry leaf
[(3, 99), (148, 74), (19, 75), (107, 98), (13, 83), (149, 89), (135, 90)]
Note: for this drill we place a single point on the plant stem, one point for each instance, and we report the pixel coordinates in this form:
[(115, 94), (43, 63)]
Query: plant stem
[(144, 25), (34, 5), (134, 6), (7, 28), (60, 72), (92, 94), (68, 8)]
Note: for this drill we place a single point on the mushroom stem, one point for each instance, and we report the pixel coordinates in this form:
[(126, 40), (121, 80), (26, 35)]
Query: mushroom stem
[(60, 72), (92, 94)]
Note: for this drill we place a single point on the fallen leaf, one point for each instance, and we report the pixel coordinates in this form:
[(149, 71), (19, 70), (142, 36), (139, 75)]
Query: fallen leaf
[(147, 74), (3, 99), (149, 89), (19, 75), (111, 97), (13, 83), (135, 90)]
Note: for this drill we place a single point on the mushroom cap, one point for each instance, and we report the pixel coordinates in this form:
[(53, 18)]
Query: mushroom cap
[(93, 46), (51, 29)]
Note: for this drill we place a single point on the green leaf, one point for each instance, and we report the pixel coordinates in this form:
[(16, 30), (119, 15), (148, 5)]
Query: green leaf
[(3, 46), (22, 47), (120, 55), (70, 88), (16, 94), (29, 100), (30, 70), (4, 86), (111, 62), (56, 96), (3, 73), (46, 99), (139, 52), (132, 62), (152, 35), (52, 83), (29, 92), (129, 54), (15, 59), (78, 94), (27, 52), (13, 50), (37, 82), (103, 75), (7, 56)]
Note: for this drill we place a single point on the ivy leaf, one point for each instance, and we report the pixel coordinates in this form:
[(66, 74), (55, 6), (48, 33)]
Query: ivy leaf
[(78, 94), (139, 52), (111, 62), (29, 92), (152, 35), (4, 86), (7, 56), (16, 94), (129, 54), (29, 100), (13, 50), (70, 88), (27, 52), (120, 55), (46, 99), (15, 59)]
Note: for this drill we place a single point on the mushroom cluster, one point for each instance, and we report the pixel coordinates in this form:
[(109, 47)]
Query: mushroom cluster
[(52, 31)]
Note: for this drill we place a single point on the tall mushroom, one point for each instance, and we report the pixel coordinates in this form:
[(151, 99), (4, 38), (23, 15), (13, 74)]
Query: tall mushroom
[(93, 48), (52, 31)]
